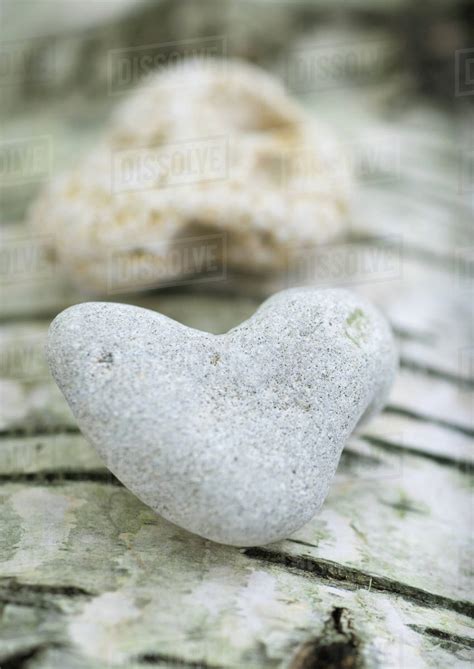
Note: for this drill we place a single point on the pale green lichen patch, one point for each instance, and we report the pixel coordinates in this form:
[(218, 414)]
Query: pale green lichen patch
[(357, 327), (12, 532)]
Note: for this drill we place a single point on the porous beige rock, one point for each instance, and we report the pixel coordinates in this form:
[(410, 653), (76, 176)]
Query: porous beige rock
[(211, 152)]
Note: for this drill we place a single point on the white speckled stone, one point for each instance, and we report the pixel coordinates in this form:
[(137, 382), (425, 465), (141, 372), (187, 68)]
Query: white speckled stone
[(235, 437)]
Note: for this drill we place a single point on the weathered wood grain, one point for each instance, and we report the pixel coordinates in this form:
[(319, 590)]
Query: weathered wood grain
[(399, 503), (122, 584), (392, 512), (382, 577), (422, 504)]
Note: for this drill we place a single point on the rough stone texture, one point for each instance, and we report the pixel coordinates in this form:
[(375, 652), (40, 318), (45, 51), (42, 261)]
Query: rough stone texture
[(210, 147), (235, 437)]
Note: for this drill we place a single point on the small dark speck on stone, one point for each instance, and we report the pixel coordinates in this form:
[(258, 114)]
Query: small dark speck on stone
[(215, 359), (107, 359)]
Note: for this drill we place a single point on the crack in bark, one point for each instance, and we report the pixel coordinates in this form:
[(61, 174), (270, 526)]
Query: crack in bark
[(413, 365), (60, 476), (412, 335), (42, 431), (353, 578), (407, 413), (302, 543), (349, 455), (464, 641), (19, 658), (37, 595), (422, 337), (424, 256), (159, 658), (464, 466), (336, 648), (404, 507)]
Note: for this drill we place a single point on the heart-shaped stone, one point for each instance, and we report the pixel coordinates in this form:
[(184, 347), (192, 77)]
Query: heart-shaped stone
[(235, 437)]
